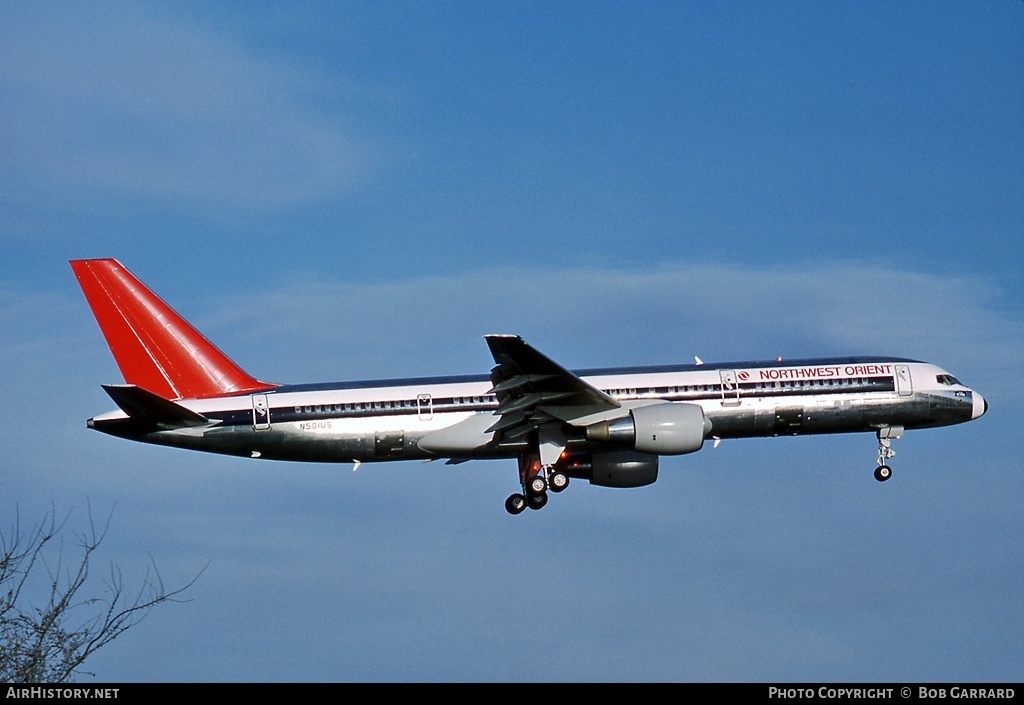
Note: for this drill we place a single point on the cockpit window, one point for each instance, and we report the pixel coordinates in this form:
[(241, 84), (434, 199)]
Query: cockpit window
[(949, 380)]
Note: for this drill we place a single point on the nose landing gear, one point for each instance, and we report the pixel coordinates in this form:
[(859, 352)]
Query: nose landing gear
[(886, 436)]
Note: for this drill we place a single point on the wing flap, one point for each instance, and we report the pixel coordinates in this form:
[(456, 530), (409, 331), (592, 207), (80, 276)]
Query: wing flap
[(516, 382), (533, 390)]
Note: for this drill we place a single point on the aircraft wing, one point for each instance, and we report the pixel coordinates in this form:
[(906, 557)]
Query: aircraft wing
[(534, 390)]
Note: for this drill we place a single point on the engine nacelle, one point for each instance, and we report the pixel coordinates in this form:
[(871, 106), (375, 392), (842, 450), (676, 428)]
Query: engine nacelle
[(661, 429), (620, 468)]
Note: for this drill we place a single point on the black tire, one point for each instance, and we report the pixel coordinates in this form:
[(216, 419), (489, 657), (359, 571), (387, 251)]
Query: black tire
[(536, 486), (883, 473), (536, 501), (558, 481), (515, 504)]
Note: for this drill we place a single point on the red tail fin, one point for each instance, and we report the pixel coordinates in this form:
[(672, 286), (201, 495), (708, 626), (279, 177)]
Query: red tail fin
[(154, 347)]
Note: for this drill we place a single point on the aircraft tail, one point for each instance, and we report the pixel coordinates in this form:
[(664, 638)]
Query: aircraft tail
[(155, 348), (150, 408)]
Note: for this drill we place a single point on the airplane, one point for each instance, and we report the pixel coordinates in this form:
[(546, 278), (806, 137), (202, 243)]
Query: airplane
[(605, 426)]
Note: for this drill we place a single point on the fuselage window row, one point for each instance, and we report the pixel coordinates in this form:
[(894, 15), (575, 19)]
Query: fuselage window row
[(694, 392)]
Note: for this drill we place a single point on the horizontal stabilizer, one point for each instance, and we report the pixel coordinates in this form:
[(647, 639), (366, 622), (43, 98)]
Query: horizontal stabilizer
[(143, 405)]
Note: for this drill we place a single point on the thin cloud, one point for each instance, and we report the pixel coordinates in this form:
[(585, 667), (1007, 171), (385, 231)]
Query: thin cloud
[(602, 316), (133, 102), (768, 556)]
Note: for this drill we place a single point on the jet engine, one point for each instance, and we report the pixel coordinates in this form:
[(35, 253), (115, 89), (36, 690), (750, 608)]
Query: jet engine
[(661, 429), (620, 468)]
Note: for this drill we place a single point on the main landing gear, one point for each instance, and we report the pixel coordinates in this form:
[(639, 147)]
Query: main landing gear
[(885, 452), (536, 480)]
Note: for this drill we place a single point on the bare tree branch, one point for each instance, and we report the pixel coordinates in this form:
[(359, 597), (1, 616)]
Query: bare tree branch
[(49, 641)]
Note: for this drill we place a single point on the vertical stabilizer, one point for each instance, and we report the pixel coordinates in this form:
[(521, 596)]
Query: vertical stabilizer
[(154, 347)]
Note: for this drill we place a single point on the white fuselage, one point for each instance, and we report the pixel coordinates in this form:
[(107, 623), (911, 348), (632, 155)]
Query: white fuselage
[(396, 419)]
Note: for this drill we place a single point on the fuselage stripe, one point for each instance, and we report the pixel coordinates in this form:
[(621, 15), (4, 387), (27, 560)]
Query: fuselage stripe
[(483, 403)]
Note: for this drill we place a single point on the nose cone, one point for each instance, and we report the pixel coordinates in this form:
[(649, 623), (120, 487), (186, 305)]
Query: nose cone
[(980, 406)]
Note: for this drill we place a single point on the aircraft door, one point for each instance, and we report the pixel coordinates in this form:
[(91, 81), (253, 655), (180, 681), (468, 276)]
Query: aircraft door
[(730, 388), (904, 384), (260, 412), (425, 407), (389, 444)]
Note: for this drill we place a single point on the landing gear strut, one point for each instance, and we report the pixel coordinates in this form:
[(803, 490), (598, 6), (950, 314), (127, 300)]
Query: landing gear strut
[(885, 452), (536, 480)]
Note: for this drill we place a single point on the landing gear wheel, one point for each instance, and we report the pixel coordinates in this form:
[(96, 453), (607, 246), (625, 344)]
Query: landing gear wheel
[(558, 481), (883, 473), (536, 486), (536, 501), (515, 504)]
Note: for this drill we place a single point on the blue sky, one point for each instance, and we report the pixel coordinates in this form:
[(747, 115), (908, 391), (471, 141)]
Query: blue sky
[(353, 190)]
